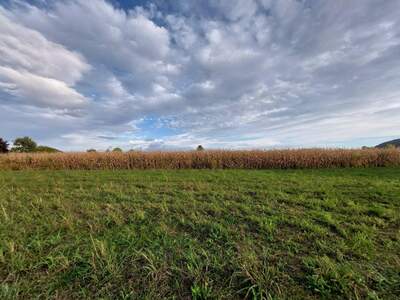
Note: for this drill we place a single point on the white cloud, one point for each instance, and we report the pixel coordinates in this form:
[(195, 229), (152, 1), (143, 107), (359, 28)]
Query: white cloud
[(24, 48), (122, 42), (37, 71), (39, 91)]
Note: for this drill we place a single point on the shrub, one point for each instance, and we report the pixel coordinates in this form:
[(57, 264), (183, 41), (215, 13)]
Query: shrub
[(3, 146)]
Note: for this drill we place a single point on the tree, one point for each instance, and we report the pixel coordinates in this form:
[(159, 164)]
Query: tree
[(3, 146), (24, 144), (200, 148), (91, 150), (117, 149)]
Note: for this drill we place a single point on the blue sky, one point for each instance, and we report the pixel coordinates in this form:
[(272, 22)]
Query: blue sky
[(232, 74)]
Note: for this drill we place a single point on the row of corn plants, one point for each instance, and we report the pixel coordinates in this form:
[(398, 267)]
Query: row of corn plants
[(221, 159)]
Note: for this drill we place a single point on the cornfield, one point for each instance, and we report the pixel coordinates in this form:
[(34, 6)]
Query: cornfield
[(273, 159)]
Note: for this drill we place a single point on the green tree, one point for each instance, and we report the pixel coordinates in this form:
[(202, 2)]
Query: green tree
[(91, 150), (117, 149), (3, 146), (200, 148), (24, 144)]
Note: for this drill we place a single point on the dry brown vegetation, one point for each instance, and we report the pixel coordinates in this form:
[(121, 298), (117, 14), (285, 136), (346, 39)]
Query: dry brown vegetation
[(273, 159)]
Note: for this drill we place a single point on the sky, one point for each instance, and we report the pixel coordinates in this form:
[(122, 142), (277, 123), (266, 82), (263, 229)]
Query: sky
[(173, 74)]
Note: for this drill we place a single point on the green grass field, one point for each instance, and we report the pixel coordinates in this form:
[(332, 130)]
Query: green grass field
[(200, 234)]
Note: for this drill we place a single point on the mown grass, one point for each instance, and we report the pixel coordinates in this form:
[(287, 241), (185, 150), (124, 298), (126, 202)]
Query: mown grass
[(200, 234)]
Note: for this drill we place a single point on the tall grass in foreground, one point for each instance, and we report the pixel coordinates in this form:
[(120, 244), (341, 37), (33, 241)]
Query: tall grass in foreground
[(273, 159)]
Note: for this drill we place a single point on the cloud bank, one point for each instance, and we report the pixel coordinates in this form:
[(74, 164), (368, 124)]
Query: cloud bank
[(224, 74)]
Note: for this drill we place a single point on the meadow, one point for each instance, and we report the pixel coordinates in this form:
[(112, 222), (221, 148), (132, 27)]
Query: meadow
[(198, 234)]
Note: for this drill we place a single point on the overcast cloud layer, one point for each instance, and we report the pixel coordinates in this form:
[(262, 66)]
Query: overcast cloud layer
[(80, 74)]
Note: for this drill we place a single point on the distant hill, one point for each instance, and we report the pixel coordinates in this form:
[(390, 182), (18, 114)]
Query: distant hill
[(395, 143), (46, 149)]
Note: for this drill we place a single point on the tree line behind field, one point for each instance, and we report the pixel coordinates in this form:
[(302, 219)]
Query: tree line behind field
[(28, 145), (24, 145)]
